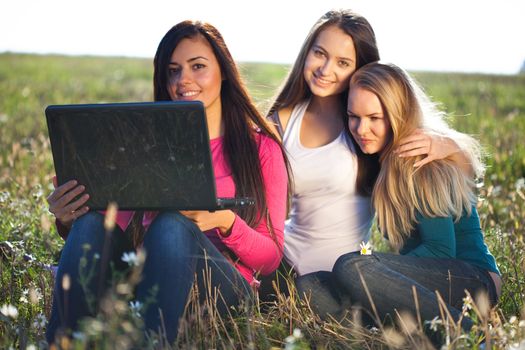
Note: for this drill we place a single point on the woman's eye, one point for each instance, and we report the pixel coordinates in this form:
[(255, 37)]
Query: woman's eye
[(318, 53), (174, 71), (198, 66), (344, 64)]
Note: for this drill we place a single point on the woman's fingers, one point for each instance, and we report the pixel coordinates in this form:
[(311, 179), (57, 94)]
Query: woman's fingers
[(414, 148), (60, 190), (422, 162), (67, 198), (72, 211)]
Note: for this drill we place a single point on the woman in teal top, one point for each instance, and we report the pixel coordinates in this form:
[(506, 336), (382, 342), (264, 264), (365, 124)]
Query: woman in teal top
[(426, 212)]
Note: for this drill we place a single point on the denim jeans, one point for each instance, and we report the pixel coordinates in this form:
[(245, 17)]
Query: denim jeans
[(324, 294), (389, 279), (176, 252)]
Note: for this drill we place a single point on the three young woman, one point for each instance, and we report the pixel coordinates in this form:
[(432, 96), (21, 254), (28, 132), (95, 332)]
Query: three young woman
[(192, 63), (331, 209)]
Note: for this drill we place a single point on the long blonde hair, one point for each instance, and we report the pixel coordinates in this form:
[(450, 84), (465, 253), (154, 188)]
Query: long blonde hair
[(438, 189)]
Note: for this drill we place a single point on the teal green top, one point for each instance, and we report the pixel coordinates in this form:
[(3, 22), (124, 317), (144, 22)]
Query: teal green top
[(441, 237)]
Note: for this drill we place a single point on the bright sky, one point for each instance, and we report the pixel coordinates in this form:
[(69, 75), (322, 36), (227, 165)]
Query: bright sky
[(439, 35)]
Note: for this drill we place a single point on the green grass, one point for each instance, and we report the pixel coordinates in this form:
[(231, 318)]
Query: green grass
[(490, 107)]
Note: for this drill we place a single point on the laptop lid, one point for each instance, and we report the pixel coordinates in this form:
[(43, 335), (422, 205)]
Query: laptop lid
[(145, 155)]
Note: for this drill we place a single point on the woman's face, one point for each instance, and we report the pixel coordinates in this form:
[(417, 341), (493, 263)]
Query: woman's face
[(368, 124), (195, 74), (330, 62)]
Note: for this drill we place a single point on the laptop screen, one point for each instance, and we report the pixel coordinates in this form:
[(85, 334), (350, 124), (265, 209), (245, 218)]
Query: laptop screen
[(150, 155)]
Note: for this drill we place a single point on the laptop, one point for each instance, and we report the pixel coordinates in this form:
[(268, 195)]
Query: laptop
[(141, 155)]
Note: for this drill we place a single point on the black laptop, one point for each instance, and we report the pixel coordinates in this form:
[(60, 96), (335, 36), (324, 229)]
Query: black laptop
[(143, 156)]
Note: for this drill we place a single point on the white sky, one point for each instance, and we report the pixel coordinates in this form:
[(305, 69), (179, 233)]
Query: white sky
[(439, 35)]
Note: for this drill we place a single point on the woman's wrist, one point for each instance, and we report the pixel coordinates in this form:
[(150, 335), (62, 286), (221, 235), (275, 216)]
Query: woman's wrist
[(228, 219)]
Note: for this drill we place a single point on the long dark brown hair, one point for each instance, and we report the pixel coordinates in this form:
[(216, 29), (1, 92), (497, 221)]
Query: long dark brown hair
[(239, 114)]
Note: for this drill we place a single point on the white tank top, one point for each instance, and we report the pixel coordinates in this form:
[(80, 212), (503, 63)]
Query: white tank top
[(328, 218)]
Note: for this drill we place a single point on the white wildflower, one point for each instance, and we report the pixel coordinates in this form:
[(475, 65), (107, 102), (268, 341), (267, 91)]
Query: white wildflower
[(130, 258), (435, 323), (40, 321), (366, 248), (9, 311), (297, 333), (31, 347), (292, 339), (467, 304), (23, 297), (513, 320), (136, 307)]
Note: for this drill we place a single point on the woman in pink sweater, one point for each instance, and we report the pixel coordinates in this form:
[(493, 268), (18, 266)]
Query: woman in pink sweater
[(192, 63)]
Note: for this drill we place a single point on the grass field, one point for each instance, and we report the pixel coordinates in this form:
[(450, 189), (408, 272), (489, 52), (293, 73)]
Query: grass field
[(490, 107)]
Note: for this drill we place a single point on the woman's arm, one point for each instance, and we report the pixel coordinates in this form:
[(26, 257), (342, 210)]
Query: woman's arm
[(437, 146), (255, 247)]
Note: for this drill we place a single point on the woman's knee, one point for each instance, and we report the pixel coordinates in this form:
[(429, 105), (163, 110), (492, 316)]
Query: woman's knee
[(349, 266), (324, 295), (87, 231), (172, 233), (167, 223)]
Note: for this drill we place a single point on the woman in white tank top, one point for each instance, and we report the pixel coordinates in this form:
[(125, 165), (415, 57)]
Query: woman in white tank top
[(329, 215)]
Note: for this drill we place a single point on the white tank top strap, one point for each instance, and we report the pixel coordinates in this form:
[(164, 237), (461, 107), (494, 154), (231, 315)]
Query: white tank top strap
[(292, 132)]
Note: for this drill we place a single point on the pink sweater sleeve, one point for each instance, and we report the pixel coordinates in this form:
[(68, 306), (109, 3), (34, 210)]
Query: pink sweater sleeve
[(255, 247)]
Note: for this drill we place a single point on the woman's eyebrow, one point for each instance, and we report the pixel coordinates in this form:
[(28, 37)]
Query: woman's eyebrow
[(193, 59)]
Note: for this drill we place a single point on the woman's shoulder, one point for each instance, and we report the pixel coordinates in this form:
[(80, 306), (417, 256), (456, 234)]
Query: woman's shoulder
[(280, 119), (265, 141), (268, 147)]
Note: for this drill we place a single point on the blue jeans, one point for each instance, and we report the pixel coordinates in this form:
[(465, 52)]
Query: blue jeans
[(324, 293), (389, 279), (176, 252)]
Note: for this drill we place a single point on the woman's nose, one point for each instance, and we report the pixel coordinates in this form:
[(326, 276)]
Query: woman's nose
[(326, 68)]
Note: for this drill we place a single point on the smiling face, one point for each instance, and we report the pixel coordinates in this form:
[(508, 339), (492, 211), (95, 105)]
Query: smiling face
[(368, 124), (195, 74), (330, 62)]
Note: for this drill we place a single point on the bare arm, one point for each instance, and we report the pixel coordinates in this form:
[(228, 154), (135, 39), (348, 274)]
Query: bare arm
[(436, 146)]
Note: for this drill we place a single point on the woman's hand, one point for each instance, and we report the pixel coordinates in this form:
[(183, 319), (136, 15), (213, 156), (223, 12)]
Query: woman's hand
[(434, 146), (205, 220), (62, 204)]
